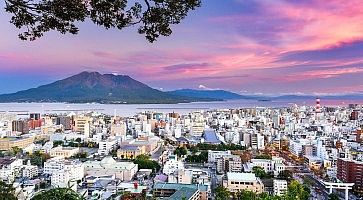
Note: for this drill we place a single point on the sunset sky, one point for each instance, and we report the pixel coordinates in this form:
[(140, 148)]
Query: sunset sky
[(245, 46)]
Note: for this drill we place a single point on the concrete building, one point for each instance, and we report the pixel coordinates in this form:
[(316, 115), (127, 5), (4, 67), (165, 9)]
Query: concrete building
[(350, 171), (176, 191), (105, 147), (130, 151), (108, 166), (280, 187), (65, 152), (214, 155), (236, 182), (230, 163), (30, 171), (82, 124), (22, 142), (10, 168), (172, 165)]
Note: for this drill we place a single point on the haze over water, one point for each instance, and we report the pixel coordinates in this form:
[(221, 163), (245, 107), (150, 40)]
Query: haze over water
[(182, 108)]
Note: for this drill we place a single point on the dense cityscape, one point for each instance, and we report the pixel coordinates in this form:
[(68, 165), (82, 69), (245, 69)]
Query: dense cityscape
[(295, 152)]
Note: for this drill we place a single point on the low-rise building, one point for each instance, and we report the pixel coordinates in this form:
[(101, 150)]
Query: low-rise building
[(176, 191), (108, 166), (236, 182), (65, 152), (8, 143), (130, 151)]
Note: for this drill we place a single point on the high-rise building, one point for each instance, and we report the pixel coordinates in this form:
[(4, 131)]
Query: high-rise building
[(20, 126), (65, 121), (350, 171)]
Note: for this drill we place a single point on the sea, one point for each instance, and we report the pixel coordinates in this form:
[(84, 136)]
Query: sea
[(127, 110)]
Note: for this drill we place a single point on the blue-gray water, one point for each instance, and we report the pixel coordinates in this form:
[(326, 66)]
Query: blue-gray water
[(132, 109)]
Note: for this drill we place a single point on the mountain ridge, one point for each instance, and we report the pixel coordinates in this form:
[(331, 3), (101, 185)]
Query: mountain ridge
[(88, 87)]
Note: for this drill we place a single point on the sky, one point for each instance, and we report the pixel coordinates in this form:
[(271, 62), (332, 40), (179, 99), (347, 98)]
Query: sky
[(244, 46)]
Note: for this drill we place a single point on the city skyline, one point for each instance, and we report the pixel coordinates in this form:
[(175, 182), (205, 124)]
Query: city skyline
[(242, 46)]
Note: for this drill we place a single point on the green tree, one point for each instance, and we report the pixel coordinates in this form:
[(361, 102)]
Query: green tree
[(333, 196), (154, 17), (246, 195), (297, 191), (285, 175), (38, 158), (259, 172), (222, 193), (7, 191), (180, 151), (16, 150), (144, 162), (59, 194)]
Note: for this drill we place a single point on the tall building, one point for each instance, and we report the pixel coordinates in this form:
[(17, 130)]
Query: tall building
[(20, 126), (82, 124), (65, 121), (350, 171), (35, 121)]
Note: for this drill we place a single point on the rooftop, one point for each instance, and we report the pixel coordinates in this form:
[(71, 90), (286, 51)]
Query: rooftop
[(248, 177)]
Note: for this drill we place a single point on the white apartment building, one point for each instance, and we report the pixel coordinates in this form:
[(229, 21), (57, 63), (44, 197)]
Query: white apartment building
[(75, 168), (109, 167), (172, 165), (30, 171), (105, 147), (10, 168), (214, 155), (280, 187)]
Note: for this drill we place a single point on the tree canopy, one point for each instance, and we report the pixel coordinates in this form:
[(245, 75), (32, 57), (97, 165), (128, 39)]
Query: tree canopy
[(58, 193), (153, 17), (7, 191)]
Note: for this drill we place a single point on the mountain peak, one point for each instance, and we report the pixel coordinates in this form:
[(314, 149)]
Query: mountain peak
[(94, 87)]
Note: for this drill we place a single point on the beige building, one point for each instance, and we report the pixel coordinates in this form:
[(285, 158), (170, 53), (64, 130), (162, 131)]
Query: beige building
[(130, 151), (109, 167), (230, 163), (64, 152), (21, 142), (82, 124), (235, 182)]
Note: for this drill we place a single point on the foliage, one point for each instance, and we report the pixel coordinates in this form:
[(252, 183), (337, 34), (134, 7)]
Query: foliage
[(81, 155), (222, 193), (180, 151), (219, 147), (6, 192), (259, 172), (296, 191), (16, 150), (263, 156), (58, 143), (59, 194), (154, 16), (201, 158), (333, 196), (38, 158), (285, 175), (144, 162)]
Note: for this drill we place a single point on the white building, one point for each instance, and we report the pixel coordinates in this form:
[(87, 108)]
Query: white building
[(30, 171), (172, 165), (10, 168), (214, 155), (105, 147), (280, 187), (75, 167), (109, 167)]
